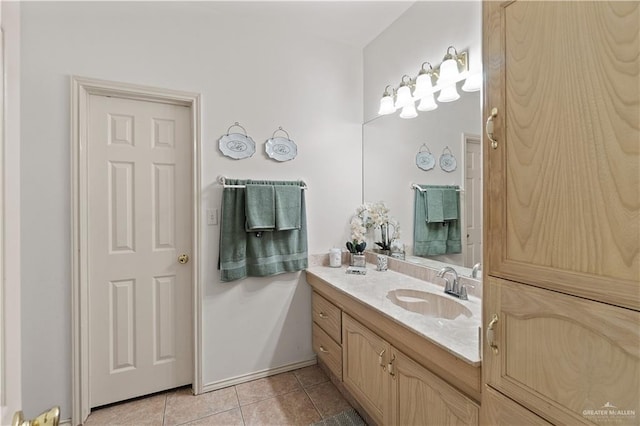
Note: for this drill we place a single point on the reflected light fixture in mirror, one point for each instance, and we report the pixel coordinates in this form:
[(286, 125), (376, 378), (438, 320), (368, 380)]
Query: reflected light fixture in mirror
[(449, 93), (424, 89), (409, 111), (403, 94), (473, 83)]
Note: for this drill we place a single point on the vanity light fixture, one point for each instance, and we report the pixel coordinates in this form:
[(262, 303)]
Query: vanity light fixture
[(386, 103), (454, 68), (403, 94)]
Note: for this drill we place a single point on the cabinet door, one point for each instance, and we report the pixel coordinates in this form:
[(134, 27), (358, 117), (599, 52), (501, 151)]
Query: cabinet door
[(562, 200), (498, 410), (365, 357), (568, 359), (420, 398)]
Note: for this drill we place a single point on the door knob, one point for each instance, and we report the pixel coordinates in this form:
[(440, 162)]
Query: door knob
[(183, 258)]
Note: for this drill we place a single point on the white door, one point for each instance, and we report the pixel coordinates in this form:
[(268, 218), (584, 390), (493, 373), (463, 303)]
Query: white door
[(473, 201), (140, 222)]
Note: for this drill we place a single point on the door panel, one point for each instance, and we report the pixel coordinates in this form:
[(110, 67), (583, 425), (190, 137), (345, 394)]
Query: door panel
[(562, 356), (564, 182), (421, 398), (139, 204), (497, 410), (365, 356)]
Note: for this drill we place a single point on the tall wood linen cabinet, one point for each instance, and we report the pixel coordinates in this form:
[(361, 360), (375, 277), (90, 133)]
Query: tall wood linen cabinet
[(562, 213)]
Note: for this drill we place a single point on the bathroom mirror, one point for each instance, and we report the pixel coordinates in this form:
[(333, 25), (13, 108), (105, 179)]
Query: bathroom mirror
[(390, 147)]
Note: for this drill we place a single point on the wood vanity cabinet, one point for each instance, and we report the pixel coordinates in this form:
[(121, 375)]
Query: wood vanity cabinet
[(393, 388), (327, 333), (561, 212)]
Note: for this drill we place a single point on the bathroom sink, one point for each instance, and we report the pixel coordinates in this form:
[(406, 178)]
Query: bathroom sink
[(428, 304)]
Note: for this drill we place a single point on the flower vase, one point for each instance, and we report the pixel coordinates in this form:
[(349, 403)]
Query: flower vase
[(358, 260)]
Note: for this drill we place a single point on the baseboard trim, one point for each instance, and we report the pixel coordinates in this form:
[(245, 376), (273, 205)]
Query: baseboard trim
[(66, 422), (208, 387)]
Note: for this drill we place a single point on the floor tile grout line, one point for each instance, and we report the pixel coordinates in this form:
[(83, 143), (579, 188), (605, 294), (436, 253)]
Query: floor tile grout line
[(314, 404), (235, 388), (164, 409)]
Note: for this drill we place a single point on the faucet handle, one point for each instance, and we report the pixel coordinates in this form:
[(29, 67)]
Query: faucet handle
[(463, 292)]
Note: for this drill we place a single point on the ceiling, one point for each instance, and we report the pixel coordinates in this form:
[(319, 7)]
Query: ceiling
[(355, 23)]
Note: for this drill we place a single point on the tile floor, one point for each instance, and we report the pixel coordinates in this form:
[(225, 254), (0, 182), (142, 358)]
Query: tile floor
[(300, 397)]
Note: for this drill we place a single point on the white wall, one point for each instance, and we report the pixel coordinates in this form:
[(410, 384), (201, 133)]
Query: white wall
[(421, 34), (12, 398), (247, 70)]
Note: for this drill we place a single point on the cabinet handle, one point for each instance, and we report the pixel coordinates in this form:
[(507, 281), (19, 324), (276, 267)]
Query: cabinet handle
[(390, 366), (489, 128), (380, 359), (323, 350), (323, 315), (491, 334)]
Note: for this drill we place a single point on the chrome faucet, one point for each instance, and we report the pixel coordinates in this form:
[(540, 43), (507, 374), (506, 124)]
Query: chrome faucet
[(474, 272), (453, 288)]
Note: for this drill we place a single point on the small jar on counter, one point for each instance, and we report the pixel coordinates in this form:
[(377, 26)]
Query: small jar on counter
[(335, 257)]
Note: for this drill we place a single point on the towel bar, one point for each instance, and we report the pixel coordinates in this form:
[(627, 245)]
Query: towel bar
[(416, 186), (222, 180)]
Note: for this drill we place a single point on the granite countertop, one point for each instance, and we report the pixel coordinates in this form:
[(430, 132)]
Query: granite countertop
[(460, 336)]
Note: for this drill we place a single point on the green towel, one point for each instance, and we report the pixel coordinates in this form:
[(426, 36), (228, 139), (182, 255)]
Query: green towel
[(450, 200), (287, 207), (244, 254), (433, 204), (260, 207), (434, 238)]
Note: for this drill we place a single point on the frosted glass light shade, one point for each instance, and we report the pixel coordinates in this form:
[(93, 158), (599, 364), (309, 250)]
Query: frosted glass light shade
[(473, 83), (409, 111), (404, 97), (423, 86), (427, 103), (449, 94), (386, 105), (448, 72)]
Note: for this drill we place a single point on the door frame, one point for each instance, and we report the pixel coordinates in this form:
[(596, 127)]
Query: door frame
[(81, 89), (466, 139)]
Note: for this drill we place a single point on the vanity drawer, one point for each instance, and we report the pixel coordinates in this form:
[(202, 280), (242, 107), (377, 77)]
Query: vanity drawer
[(327, 316), (328, 351)]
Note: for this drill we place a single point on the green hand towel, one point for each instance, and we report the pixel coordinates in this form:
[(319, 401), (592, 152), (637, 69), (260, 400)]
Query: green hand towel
[(434, 205), (260, 207), (288, 199), (450, 197)]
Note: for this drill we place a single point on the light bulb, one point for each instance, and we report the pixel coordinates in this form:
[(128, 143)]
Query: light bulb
[(404, 97), (423, 86), (473, 83), (409, 111), (448, 72), (386, 105), (448, 94), (427, 103)]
